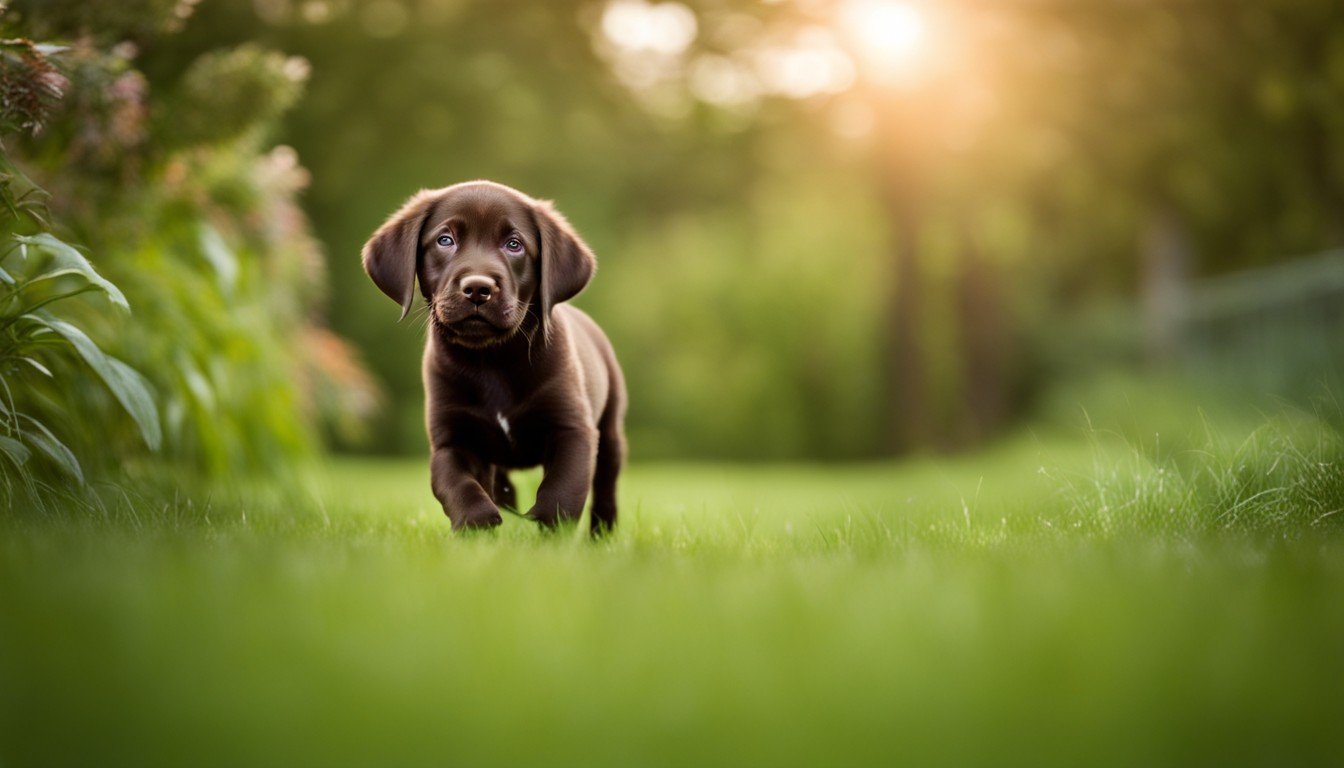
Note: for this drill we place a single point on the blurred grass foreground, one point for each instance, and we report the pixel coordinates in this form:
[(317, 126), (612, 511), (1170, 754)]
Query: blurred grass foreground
[(984, 359)]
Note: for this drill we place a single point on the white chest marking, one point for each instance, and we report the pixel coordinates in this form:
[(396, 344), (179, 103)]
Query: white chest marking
[(503, 423)]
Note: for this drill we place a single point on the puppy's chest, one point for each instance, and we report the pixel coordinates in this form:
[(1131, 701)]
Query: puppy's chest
[(511, 440), (497, 424), (489, 393)]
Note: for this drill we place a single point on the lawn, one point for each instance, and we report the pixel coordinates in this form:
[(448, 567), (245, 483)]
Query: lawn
[(1052, 601)]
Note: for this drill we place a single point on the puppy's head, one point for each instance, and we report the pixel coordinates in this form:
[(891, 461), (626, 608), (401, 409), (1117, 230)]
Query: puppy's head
[(486, 258)]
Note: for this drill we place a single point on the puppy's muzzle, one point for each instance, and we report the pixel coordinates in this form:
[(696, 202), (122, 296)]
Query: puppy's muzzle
[(478, 289)]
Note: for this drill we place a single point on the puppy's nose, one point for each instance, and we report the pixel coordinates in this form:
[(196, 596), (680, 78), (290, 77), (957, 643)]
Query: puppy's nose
[(477, 288)]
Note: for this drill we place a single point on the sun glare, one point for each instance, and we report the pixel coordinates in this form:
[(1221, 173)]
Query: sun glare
[(891, 36)]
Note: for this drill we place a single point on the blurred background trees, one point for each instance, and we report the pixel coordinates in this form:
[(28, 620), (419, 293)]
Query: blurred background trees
[(827, 228)]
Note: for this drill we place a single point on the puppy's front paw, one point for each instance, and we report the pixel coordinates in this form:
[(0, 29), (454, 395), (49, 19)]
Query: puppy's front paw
[(546, 519), (477, 519), (552, 513)]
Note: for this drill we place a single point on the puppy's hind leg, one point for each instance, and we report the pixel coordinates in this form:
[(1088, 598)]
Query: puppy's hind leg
[(610, 459), (503, 492)]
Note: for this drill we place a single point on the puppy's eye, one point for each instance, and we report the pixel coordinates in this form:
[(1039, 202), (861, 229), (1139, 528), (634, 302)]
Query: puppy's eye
[(445, 240), (513, 245)]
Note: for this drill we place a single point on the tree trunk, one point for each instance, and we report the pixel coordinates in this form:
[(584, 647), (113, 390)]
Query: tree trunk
[(985, 341), (907, 378)]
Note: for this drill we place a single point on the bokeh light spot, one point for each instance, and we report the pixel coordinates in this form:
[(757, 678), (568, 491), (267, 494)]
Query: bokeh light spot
[(888, 34)]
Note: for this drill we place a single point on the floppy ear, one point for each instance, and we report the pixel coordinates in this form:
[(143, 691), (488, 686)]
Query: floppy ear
[(566, 263), (392, 254)]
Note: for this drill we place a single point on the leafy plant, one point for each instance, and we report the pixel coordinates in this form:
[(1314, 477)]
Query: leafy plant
[(195, 217), (41, 338), (30, 86), (34, 339)]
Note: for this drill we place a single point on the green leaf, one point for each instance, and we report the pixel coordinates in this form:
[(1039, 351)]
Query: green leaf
[(7, 278), (127, 385), (68, 261), (53, 448), (220, 256), (14, 450), (42, 369)]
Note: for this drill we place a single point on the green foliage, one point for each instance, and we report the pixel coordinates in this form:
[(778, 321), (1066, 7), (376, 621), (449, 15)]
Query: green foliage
[(43, 389), (64, 261), (125, 383), (38, 375), (124, 19), (194, 216), (224, 94)]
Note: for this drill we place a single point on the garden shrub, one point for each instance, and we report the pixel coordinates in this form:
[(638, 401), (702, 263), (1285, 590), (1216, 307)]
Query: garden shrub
[(187, 210)]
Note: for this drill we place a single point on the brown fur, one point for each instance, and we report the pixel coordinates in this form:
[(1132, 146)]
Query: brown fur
[(513, 377)]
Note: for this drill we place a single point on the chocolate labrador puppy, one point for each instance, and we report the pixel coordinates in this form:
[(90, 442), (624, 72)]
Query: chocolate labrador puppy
[(513, 376)]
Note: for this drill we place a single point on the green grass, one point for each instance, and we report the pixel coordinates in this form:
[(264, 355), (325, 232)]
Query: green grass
[(1050, 602)]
